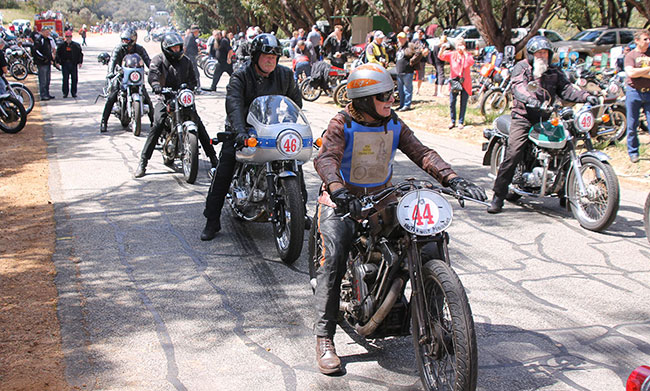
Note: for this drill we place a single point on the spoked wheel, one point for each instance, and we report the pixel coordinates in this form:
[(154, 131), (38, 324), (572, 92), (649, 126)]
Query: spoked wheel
[(446, 353), (646, 217), (289, 229), (618, 118), (190, 157), (341, 94), (124, 113), (494, 103), (136, 120), (12, 115), (18, 70), (32, 68), (498, 154), (596, 209), (315, 248), (209, 68), (308, 92), (24, 96)]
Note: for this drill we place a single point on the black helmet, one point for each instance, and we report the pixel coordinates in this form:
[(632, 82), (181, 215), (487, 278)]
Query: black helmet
[(104, 58), (129, 37), (267, 44), (537, 43), (170, 40)]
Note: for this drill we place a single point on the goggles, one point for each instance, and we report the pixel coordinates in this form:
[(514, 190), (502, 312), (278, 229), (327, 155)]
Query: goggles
[(268, 49), (384, 96), (127, 40)]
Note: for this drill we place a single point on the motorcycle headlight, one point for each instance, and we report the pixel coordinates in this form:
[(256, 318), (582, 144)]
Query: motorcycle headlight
[(289, 142), (135, 77), (613, 89), (584, 121), (186, 98)]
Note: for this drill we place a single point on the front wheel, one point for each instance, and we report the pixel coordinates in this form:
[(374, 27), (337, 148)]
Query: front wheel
[(496, 158), (289, 225), (12, 115), (18, 70), (190, 157), (341, 94), (136, 118), (308, 92), (33, 68), (646, 217), (24, 96), (494, 103), (596, 209), (446, 352), (124, 113)]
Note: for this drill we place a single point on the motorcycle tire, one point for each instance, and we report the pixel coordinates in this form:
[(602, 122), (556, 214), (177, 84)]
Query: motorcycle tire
[(308, 92), (18, 71), (315, 250), (598, 209), (341, 94), (209, 68), (190, 157), (289, 229), (619, 121), (494, 103), (474, 98), (124, 115), (452, 352), (26, 97), (136, 118), (497, 156), (646, 217), (147, 38), (33, 68), (16, 116)]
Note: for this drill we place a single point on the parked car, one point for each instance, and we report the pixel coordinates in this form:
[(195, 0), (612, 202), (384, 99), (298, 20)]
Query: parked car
[(590, 42), (552, 36), (473, 39)]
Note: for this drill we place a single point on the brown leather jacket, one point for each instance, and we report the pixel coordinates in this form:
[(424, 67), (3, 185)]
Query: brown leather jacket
[(328, 162)]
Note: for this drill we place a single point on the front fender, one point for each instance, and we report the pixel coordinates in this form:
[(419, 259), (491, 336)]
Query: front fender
[(135, 96), (602, 156), (190, 127)]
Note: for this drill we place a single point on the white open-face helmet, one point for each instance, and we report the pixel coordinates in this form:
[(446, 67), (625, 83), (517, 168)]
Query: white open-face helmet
[(369, 80)]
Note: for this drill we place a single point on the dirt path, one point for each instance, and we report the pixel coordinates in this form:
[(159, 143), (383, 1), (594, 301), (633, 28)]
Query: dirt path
[(30, 342)]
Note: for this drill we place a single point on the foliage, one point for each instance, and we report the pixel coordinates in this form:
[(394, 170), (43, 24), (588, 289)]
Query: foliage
[(9, 4)]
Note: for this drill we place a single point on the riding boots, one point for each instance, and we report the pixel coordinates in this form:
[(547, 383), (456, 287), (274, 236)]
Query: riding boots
[(212, 226), (142, 168), (328, 361), (102, 127), (496, 206)]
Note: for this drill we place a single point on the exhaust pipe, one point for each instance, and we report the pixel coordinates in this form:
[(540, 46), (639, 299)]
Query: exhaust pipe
[(385, 308)]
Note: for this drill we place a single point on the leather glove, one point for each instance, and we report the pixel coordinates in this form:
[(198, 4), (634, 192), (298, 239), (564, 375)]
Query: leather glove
[(468, 189), (240, 139), (533, 104), (592, 100), (157, 89), (346, 202)]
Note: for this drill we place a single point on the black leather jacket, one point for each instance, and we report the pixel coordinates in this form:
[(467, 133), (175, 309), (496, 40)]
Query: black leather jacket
[(122, 50), (245, 85), (167, 74)]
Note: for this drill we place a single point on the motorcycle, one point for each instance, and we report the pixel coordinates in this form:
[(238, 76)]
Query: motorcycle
[(12, 114), (130, 99), (180, 132), (312, 89), (497, 99), (20, 62), (340, 94), (400, 281), (267, 181), (22, 94), (552, 167)]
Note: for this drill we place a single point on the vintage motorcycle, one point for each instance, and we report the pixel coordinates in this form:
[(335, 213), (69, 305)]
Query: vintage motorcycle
[(268, 184), (180, 132), (312, 89), (399, 281), (130, 99), (552, 167), (12, 114), (23, 94)]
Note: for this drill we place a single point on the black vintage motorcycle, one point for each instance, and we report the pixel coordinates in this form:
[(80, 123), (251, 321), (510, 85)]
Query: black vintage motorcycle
[(399, 281), (180, 132), (551, 166)]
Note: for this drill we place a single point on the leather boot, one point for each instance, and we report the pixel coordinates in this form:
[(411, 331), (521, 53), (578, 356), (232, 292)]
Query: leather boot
[(328, 361), (496, 206), (142, 168), (102, 127), (212, 226)]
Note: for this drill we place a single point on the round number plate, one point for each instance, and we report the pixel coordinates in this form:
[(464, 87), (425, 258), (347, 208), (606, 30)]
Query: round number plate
[(424, 212), (135, 77), (186, 98), (289, 143), (585, 121)]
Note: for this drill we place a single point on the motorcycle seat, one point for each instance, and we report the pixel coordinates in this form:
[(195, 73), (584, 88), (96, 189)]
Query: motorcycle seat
[(503, 124)]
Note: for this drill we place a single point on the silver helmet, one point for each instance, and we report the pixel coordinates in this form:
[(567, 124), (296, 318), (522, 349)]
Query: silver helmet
[(369, 80)]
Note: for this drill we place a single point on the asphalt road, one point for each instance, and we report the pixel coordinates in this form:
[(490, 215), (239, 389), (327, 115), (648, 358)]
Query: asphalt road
[(145, 305)]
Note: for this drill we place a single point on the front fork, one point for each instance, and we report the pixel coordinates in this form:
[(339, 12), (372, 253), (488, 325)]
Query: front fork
[(575, 162), (271, 192), (418, 302)]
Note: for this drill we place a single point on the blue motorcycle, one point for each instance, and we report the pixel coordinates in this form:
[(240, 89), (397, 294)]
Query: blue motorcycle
[(130, 100)]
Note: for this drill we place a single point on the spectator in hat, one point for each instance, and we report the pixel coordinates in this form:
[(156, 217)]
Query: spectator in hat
[(70, 56), (375, 51), (44, 49), (191, 50)]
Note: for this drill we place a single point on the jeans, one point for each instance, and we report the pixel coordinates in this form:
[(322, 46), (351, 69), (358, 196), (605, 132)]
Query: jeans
[(634, 101), (44, 73), (69, 70), (301, 67), (463, 106), (218, 71), (196, 70), (405, 89)]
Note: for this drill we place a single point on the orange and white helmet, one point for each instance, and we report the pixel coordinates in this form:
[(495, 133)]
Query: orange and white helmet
[(369, 80)]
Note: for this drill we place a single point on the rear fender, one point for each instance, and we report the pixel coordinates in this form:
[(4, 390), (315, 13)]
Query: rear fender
[(490, 147)]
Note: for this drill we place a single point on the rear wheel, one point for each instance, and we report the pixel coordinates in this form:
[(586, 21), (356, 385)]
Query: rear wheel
[(494, 103), (32, 68), (289, 229), (209, 68), (498, 154), (24, 96), (341, 94), (18, 70), (446, 353), (308, 92), (12, 115), (619, 122), (190, 157), (136, 120)]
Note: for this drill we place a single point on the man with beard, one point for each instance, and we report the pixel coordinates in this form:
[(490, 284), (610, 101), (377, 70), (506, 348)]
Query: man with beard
[(526, 107)]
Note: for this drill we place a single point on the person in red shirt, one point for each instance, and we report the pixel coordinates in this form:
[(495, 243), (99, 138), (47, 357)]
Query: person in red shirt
[(460, 61)]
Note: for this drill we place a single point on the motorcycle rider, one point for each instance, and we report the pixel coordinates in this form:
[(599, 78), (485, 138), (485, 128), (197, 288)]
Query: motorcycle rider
[(526, 107), (261, 76), (171, 69), (127, 45), (342, 168)]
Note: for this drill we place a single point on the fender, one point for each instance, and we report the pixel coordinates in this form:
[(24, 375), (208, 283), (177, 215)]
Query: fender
[(602, 156), (135, 96), (287, 174), (490, 147), (190, 127)]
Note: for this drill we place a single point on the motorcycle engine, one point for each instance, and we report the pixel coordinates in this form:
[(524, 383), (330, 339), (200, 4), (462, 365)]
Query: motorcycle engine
[(364, 304)]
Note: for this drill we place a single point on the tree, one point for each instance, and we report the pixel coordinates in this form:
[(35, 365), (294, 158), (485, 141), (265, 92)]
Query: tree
[(401, 13)]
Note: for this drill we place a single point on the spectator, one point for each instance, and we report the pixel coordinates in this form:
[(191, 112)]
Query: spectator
[(407, 30), (224, 60), (43, 58), (191, 50), (301, 34), (637, 89), (292, 43), (375, 51), (315, 38), (306, 48), (421, 43), (82, 32), (70, 56), (213, 43), (460, 62), (620, 62), (336, 47), (439, 65), (406, 53), (301, 64)]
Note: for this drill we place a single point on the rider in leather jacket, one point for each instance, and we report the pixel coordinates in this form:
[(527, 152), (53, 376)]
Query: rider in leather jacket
[(127, 46), (348, 172), (171, 69), (261, 76), (526, 107)]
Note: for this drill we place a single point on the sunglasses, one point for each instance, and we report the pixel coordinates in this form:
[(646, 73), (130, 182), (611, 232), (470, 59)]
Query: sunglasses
[(268, 49), (384, 96), (126, 40)]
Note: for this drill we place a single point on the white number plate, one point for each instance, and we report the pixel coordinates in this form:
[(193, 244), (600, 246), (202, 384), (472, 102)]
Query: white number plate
[(290, 143), (424, 212), (186, 98), (585, 121)]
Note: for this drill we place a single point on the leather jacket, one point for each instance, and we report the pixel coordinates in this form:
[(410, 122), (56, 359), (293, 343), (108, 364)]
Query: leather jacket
[(328, 162), (167, 74), (553, 80), (246, 84), (122, 50)]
